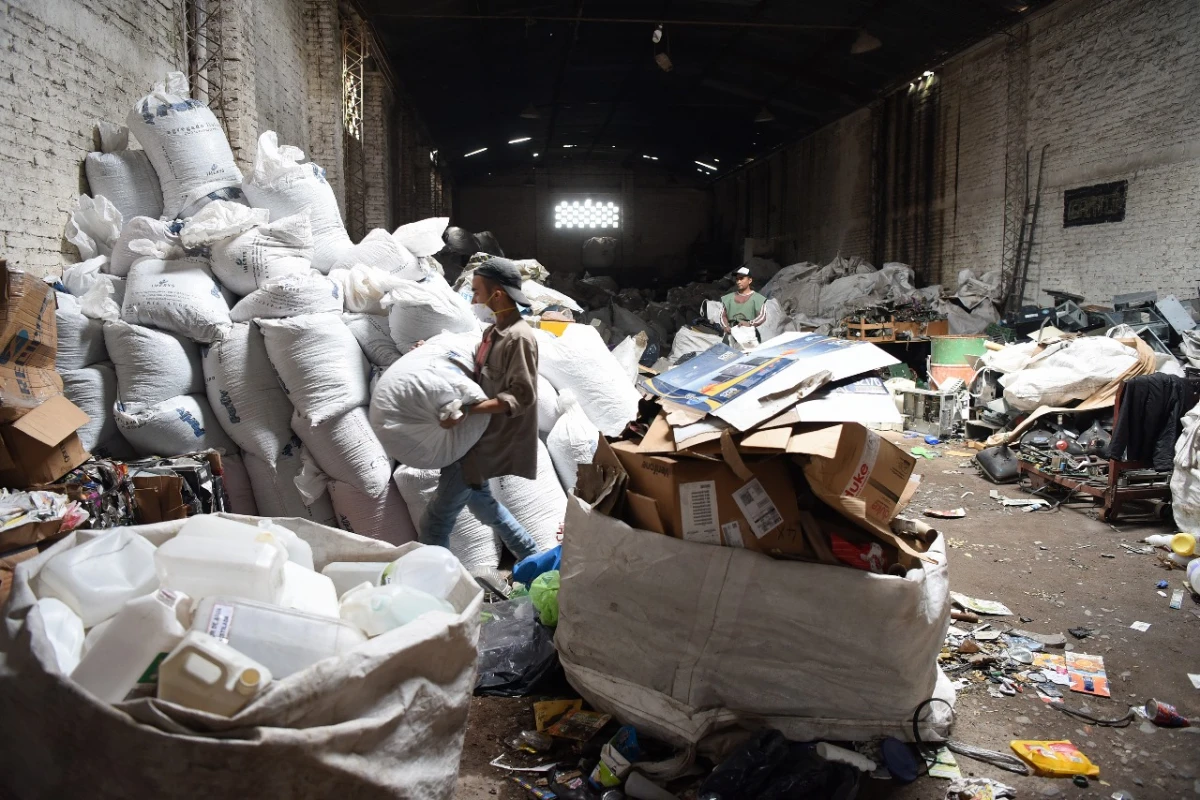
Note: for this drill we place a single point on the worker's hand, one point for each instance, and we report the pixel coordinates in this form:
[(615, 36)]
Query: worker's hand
[(744, 324), (452, 422), (726, 328), (418, 344)]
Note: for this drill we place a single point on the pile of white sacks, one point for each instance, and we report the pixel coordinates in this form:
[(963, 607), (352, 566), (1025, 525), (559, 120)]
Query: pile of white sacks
[(219, 311)]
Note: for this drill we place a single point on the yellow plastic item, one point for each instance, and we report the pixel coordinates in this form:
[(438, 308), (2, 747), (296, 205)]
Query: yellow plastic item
[(553, 326), (1055, 759), (1183, 544)]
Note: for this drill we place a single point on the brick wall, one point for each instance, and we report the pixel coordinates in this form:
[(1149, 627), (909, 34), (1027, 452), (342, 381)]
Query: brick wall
[(1108, 88), (378, 100), (323, 36)]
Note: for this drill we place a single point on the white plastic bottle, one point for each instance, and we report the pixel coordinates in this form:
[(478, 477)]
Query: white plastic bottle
[(281, 639), (1180, 561), (1159, 539), (308, 591), (133, 645), (1193, 575), (431, 569), (294, 548), (378, 609), (95, 578), (348, 574), (95, 634), (64, 629), (206, 674), (201, 566), (299, 551)]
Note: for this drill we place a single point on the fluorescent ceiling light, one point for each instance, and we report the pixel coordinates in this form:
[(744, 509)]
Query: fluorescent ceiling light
[(474, 152), (518, 141), (707, 166)]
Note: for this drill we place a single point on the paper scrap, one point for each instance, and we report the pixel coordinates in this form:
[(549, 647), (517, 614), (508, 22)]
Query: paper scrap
[(946, 513), (548, 712), (1195, 679), (1177, 599), (579, 725), (944, 765), (989, 607), (1087, 674), (1141, 626), (731, 532)]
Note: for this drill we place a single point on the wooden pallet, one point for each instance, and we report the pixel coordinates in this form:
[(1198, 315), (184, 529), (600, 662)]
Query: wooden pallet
[(894, 331)]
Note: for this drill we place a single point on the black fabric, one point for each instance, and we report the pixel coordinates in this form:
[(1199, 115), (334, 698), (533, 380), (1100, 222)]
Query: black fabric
[(1148, 424)]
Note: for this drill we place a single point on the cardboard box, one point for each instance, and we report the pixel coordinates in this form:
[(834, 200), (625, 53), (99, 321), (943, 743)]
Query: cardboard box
[(28, 344), (159, 498), (8, 563), (42, 446), (29, 534)]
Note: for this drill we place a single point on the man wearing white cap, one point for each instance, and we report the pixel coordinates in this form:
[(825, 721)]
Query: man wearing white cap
[(743, 308)]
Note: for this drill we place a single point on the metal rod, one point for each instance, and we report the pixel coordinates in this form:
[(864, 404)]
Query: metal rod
[(625, 21)]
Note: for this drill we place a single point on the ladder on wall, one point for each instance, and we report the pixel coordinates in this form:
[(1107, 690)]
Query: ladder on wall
[(1018, 242)]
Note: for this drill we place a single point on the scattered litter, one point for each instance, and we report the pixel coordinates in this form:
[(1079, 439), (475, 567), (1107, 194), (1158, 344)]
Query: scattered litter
[(1107, 555), (502, 764), (946, 513), (1165, 715), (944, 765), (1195, 679), (924, 452), (579, 726), (1048, 639), (1059, 759), (989, 607), (1163, 584), (1161, 593), (932, 440), (1087, 674), (1081, 633), (960, 453), (978, 789), (534, 791), (549, 712), (987, 636), (1177, 599), (1141, 626)]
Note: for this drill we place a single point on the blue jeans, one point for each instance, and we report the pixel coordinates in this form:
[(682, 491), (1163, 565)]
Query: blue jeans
[(453, 494)]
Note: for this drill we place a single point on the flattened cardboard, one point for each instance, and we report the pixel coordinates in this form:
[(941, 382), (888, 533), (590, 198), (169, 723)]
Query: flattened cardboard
[(8, 563), (29, 534), (159, 498), (28, 343), (42, 446)]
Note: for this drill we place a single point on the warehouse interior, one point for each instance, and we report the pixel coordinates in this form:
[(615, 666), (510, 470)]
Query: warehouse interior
[(982, 214)]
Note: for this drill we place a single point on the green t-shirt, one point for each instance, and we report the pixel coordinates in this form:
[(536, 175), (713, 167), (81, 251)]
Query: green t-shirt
[(744, 309)]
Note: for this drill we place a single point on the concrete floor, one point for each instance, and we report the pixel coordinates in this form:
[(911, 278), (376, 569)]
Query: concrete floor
[(1049, 566)]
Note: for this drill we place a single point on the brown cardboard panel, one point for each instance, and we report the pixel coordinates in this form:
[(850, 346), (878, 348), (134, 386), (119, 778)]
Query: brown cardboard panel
[(8, 563), (821, 441), (773, 440), (643, 513), (159, 498), (42, 446), (28, 343), (28, 534), (658, 438), (52, 421)]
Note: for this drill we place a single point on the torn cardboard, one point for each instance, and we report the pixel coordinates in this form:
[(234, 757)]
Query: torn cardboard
[(42, 446), (28, 343)]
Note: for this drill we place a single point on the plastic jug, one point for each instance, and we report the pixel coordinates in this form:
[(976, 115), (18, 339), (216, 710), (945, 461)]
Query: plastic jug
[(281, 639), (206, 674), (1183, 562), (95, 578), (348, 574), (294, 548), (431, 569), (1183, 544), (64, 629), (1193, 575), (201, 566), (134, 644), (299, 551), (94, 635), (378, 609), (1159, 539), (308, 591)]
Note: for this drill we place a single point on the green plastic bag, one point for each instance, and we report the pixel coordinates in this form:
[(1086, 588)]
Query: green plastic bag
[(544, 594)]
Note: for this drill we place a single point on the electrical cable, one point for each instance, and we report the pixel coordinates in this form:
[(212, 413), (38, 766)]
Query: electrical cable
[(1122, 722), (1004, 761)]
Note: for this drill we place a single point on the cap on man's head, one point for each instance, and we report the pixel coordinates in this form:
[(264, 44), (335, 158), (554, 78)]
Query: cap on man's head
[(504, 272), (743, 272)]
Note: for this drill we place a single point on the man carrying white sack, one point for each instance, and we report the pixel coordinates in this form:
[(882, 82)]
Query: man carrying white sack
[(506, 369)]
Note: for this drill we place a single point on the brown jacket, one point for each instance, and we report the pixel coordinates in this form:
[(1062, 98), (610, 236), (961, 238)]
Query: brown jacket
[(509, 445)]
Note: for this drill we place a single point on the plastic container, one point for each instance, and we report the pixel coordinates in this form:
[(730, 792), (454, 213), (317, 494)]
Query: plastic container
[(1183, 544), (294, 548), (299, 551), (133, 645), (308, 591), (206, 674), (1193, 575), (95, 578), (1183, 562), (379, 609), (348, 574), (64, 629), (1159, 539), (431, 569), (283, 640), (202, 566), (94, 635)]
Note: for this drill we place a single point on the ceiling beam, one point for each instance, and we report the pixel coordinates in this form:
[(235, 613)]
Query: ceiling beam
[(562, 72), (704, 23)]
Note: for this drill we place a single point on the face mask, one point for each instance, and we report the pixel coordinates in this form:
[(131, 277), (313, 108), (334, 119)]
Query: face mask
[(485, 314)]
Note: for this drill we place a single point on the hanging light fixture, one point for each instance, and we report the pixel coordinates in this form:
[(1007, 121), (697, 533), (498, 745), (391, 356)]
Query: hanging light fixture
[(865, 43), (530, 112), (764, 115)]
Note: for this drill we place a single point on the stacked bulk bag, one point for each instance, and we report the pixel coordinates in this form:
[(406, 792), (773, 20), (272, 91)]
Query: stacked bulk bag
[(573, 440), (474, 544), (319, 363), (245, 250), (539, 504), (381, 250), (275, 491), (385, 518), (181, 424), (420, 310), (579, 360), (346, 449), (152, 365), (291, 295), (94, 226), (157, 231), (374, 337), (126, 177), (94, 389), (175, 292)]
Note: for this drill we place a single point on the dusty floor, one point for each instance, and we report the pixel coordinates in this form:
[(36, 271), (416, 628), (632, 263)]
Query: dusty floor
[(1051, 567)]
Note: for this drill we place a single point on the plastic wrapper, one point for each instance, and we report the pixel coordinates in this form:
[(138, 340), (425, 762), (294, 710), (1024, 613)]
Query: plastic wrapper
[(516, 652)]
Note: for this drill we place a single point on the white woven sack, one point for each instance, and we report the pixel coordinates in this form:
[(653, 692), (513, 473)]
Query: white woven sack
[(384, 720), (245, 250), (237, 486), (384, 517), (365, 287), (94, 390), (283, 185), (80, 338), (1071, 371), (539, 504), (182, 424), (420, 310), (424, 237), (474, 544), (374, 337), (689, 341), (158, 231), (414, 394), (187, 146), (380, 250), (126, 177), (578, 360), (547, 405), (275, 492), (307, 292), (80, 278), (541, 297), (177, 295), (573, 440), (94, 226), (346, 449), (151, 365), (242, 389), (220, 219), (319, 363)]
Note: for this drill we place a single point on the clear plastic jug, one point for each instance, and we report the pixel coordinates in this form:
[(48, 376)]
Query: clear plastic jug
[(134, 644), (294, 548), (206, 674), (201, 566), (348, 574), (431, 569), (308, 591), (281, 639), (64, 629), (95, 578), (379, 609)]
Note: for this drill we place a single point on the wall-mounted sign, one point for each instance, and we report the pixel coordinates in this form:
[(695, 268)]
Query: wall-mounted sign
[(1091, 205)]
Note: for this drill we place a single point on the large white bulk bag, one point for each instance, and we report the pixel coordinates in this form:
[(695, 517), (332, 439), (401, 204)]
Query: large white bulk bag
[(474, 544), (152, 365), (385, 517), (380, 250), (319, 363), (384, 720), (578, 360), (420, 310), (182, 424), (184, 141), (275, 491), (218, 220), (80, 338), (1185, 480), (374, 337), (94, 226), (1070, 370), (547, 405), (176, 294), (81, 278), (157, 231), (307, 292), (245, 250), (346, 449), (237, 486), (690, 341), (424, 237), (572, 441), (126, 177), (838, 653), (283, 185), (243, 391), (94, 390), (364, 287), (414, 394), (539, 504)]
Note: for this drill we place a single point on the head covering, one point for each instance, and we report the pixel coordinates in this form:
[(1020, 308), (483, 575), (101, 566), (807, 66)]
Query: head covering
[(743, 272), (504, 272)]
